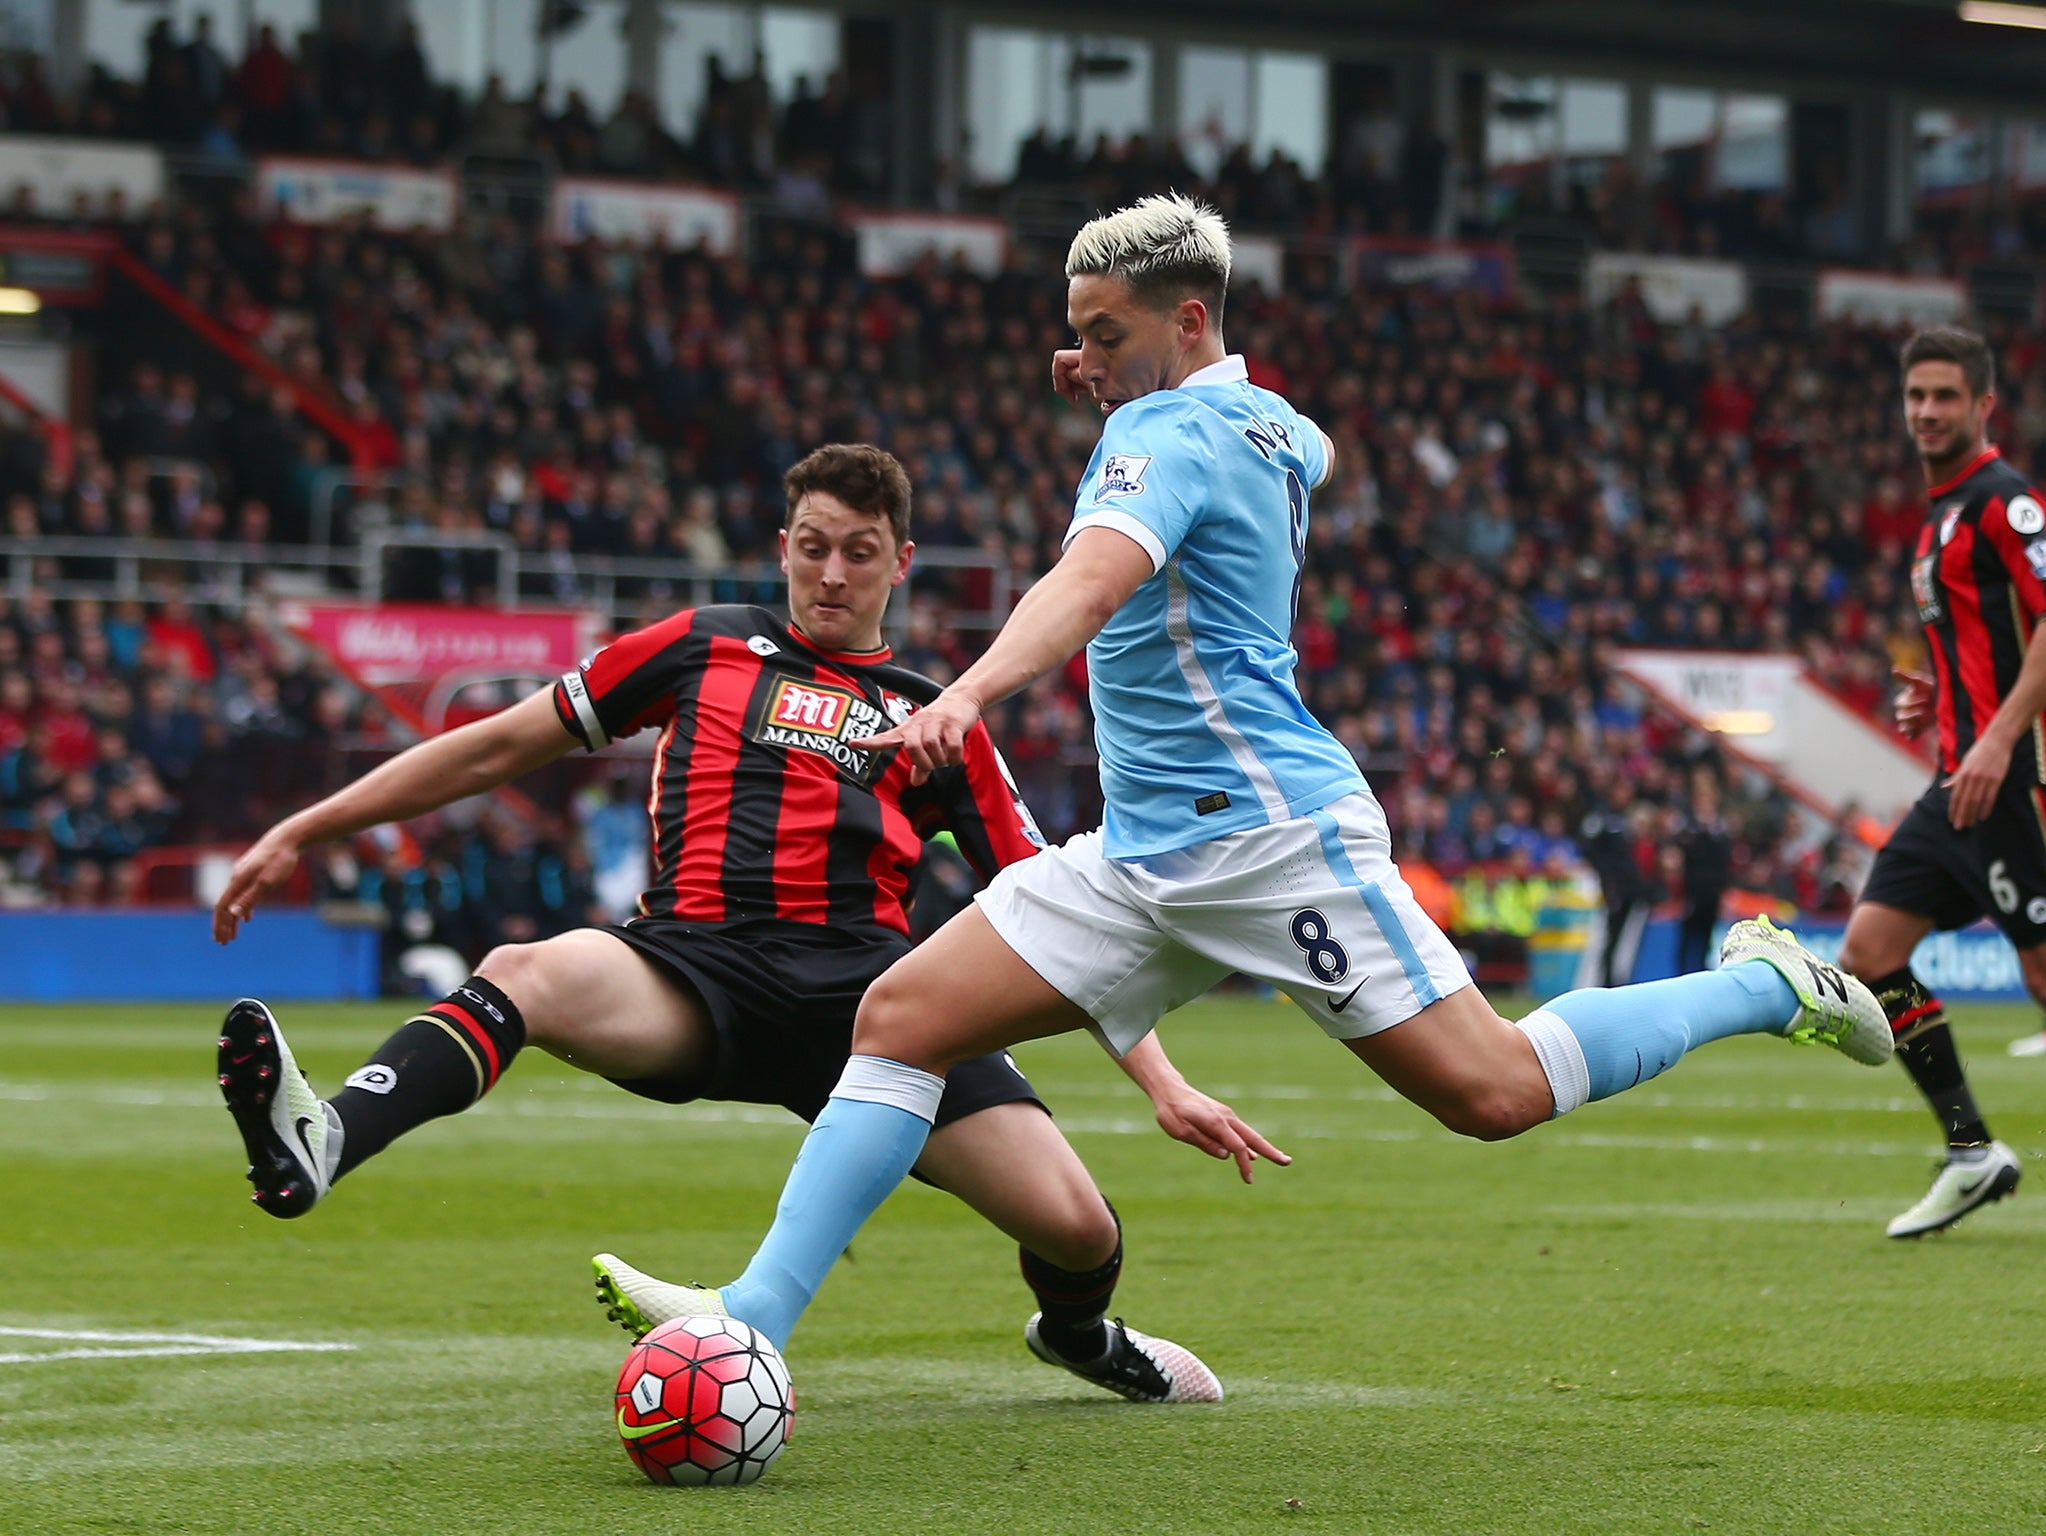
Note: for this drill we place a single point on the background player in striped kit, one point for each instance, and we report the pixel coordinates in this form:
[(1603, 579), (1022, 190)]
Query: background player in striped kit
[(1975, 843), (782, 855)]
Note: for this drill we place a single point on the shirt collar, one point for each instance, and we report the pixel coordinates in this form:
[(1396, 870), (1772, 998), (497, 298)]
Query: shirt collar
[(1933, 493), (1230, 370)]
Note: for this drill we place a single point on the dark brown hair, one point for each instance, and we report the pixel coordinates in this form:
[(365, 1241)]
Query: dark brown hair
[(1951, 344), (865, 478)]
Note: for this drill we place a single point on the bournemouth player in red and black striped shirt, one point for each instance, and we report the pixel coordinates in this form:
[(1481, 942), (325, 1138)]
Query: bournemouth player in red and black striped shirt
[(1975, 843), (783, 857), (760, 807)]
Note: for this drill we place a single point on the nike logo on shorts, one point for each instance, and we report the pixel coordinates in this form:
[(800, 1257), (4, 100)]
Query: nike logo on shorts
[(1338, 1007)]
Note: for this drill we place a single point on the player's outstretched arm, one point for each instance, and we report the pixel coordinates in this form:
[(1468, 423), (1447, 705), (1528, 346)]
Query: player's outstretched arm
[(1099, 571), (1975, 783), (422, 778), (1186, 1114)]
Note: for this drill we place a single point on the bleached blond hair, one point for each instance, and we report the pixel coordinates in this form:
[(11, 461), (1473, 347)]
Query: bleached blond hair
[(1166, 248)]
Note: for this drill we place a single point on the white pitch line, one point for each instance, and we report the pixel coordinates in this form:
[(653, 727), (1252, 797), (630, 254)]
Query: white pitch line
[(552, 1105), (136, 1346)]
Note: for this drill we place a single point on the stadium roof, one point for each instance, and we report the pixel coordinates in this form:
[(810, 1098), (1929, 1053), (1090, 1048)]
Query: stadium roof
[(1829, 47)]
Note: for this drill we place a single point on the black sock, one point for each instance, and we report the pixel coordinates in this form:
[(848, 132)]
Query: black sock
[(1073, 1303), (438, 1063), (1925, 1044)]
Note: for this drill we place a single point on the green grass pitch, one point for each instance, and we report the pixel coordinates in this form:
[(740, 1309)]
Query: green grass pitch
[(1671, 1313)]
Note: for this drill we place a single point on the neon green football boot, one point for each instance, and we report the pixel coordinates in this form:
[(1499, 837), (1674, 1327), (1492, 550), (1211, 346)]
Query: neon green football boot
[(639, 1303), (1837, 1009)]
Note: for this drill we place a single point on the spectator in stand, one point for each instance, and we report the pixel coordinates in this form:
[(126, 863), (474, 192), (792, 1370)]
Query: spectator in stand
[(1608, 842), (1707, 857)]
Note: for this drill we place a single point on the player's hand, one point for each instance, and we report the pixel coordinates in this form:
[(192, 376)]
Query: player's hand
[(1974, 784), (1065, 375), (1914, 701), (255, 875), (932, 738), (1186, 1114)]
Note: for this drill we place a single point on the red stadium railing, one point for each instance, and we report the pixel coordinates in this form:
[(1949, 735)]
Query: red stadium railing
[(56, 435), (317, 408)]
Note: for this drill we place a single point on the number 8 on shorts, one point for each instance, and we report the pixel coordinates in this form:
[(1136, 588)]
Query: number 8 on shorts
[(1329, 961)]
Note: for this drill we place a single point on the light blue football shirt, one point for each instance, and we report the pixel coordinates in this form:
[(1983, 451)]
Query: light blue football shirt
[(1199, 725)]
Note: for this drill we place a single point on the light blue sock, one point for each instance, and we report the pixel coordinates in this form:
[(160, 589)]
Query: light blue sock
[(867, 1139), (1600, 1041)]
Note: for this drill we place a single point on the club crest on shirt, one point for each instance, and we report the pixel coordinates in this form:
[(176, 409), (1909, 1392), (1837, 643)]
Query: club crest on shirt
[(1946, 527), (1122, 474)]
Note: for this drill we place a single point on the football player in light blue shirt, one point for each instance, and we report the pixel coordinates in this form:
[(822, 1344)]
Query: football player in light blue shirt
[(1239, 834), (1201, 729)]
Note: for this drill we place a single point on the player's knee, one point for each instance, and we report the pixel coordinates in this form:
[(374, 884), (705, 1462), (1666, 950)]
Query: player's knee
[(889, 1022), (1087, 1230), (1494, 1114), (520, 973), (1863, 960)]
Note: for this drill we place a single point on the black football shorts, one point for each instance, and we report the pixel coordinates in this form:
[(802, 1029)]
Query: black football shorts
[(782, 996), (1994, 869)]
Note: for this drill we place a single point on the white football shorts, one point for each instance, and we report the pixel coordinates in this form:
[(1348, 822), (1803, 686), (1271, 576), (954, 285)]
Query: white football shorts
[(1314, 905)]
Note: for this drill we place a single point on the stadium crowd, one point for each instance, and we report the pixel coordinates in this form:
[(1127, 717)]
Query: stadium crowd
[(331, 92), (1521, 486), (127, 726)]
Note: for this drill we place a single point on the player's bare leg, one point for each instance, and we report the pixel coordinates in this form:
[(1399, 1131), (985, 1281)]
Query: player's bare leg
[(594, 1001), (1486, 1077), (587, 997), (1464, 1064), (1977, 1169), (1880, 939), (1012, 1165), (963, 992)]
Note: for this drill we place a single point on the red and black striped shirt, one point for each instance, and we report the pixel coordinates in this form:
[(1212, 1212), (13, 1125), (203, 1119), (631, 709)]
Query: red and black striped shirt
[(1976, 576), (759, 806)]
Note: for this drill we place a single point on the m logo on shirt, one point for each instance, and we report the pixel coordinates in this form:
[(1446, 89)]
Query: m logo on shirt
[(809, 709), (812, 717), (1122, 474)]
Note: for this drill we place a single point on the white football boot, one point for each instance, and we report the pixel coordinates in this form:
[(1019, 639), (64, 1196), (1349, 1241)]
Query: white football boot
[(2028, 1045), (293, 1141), (1837, 1009), (638, 1302), (1136, 1366), (1970, 1178)]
